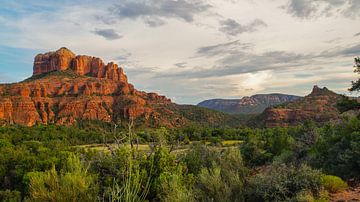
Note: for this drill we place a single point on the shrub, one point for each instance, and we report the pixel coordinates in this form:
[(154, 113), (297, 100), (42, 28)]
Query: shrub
[(333, 184), (176, 187), (10, 196), (72, 183), (304, 196), (280, 182), (224, 180)]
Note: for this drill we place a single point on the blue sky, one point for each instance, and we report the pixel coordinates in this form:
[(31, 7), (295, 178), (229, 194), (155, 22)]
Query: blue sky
[(191, 50)]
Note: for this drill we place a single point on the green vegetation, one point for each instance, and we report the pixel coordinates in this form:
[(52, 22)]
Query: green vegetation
[(333, 184), (94, 162), (64, 73), (356, 84), (72, 183)]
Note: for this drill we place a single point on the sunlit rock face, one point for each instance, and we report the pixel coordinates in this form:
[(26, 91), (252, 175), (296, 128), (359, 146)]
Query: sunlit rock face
[(65, 88)]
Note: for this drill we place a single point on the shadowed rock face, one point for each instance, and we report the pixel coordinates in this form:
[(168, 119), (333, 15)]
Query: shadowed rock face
[(248, 105), (319, 106)]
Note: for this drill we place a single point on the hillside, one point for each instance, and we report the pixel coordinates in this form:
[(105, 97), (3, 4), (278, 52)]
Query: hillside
[(65, 88), (319, 106), (255, 104)]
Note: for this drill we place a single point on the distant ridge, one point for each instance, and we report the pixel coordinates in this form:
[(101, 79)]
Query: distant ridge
[(255, 104)]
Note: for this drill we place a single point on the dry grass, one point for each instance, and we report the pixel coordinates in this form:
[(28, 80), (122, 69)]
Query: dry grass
[(104, 148), (146, 147)]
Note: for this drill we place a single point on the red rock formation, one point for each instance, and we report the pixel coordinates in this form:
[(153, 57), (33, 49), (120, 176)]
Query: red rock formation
[(51, 61), (96, 92), (319, 106), (64, 59)]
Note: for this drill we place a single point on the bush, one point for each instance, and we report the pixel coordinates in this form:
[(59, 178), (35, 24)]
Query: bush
[(10, 196), (72, 183), (333, 184), (224, 180), (280, 182)]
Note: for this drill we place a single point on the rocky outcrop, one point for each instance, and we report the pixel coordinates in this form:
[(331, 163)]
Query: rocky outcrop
[(247, 105), (75, 88), (52, 61), (66, 88), (63, 59), (319, 106)]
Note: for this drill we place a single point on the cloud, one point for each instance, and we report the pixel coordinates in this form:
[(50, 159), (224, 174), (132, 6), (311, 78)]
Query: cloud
[(153, 12), (181, 64), (350, 51), (308, 9), (235, 58), (153, 21), (109, 34), (233, 28), (343, 51), (232, 47), (301, 8), (242, 63), (353, 10)]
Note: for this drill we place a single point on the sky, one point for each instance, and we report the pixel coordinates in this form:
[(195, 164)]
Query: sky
[(192, 50)]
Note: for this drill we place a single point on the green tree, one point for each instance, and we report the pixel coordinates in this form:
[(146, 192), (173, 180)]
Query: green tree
[(356, 84)]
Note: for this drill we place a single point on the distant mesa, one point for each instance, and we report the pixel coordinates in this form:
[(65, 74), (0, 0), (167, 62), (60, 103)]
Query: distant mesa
[(255, 104)]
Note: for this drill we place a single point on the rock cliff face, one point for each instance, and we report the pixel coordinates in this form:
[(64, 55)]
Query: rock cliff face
[(65, 88), (247, 105), (319, 106), (64, 59)]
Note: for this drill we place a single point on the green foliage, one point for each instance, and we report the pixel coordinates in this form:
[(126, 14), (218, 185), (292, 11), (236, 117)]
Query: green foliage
[(65, 73), (261, 147), (72, 183), (10, 196), (267, 165), (356, 84), (333, 184), (198, 157), (175, 187), (281, 182), (346, 104), (338, 149), (123, 175), (224, 180), (129, 190)]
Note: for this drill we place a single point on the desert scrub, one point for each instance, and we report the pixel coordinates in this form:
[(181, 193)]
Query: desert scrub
[(280, 182), (333, 183)]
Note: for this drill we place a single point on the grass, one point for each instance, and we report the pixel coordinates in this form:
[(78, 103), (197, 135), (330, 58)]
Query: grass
[(104, 148), (231, 142), (146, 147)]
